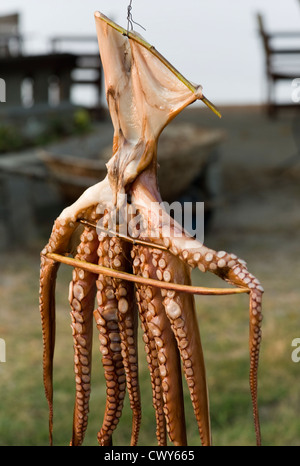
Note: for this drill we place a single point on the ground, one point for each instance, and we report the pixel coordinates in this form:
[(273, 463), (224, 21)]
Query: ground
[(256, 216)]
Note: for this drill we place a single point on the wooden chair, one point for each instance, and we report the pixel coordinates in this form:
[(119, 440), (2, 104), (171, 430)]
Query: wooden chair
[(281, 63)]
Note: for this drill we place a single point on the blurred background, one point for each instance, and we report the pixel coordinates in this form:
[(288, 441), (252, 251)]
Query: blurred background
[(55, 138)]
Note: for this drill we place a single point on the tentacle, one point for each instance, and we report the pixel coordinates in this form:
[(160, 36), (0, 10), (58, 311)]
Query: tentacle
[(255, 318), (168, 380), (143, 295), (107, 324), (119, 254), (180, 309), (233, 270), (63, 240), (106, 320), (58, 242), (106, 316), (115, 253), (82, 299), (48, 275), (153, 365), (128, 332)]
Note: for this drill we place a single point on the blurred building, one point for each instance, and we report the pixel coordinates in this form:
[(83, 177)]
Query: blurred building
[(39, 84)]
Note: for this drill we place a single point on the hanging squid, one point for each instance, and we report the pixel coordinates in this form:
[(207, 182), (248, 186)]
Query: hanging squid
[(142, 273)]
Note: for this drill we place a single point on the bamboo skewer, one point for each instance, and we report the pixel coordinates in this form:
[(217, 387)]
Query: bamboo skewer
[(99, 269), (131, 240)]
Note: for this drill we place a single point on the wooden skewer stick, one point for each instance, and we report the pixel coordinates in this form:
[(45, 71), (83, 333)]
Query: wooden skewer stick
[(99, 269)]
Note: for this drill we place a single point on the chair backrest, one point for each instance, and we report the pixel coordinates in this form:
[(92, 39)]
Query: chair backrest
[(9, 24), (10, 40)]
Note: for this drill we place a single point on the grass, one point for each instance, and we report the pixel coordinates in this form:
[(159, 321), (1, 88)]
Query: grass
[(14, 138)]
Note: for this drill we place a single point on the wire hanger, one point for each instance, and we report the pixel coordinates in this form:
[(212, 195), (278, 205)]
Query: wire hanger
[(130, 21)]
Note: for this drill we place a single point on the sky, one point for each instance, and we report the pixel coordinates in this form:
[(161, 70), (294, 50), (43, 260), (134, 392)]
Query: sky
[(214, 43)]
